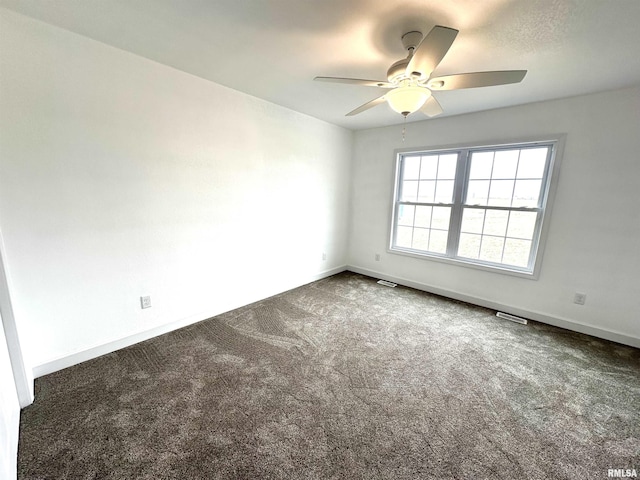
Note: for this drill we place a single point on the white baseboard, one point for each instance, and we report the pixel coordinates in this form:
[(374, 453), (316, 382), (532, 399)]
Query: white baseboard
[(326, 273), (482, 302), (109, 347)]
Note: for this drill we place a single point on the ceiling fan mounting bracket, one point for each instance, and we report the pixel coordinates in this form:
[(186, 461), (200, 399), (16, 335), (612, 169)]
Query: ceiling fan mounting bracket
[(411, 40)]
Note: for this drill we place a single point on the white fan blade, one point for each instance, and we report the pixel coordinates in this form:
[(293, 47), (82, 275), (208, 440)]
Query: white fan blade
[(431, 107), (356, 81), (366, 106), (477, 79), (431, 51)]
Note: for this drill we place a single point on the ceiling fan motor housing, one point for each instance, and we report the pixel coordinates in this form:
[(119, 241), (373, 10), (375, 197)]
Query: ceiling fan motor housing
[(397, 71)]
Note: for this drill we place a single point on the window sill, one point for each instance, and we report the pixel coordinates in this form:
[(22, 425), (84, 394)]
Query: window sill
[(500, 269)]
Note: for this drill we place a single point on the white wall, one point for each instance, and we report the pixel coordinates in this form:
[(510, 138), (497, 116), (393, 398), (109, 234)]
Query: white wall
[(9, 414), (594, 237), (121, 177)]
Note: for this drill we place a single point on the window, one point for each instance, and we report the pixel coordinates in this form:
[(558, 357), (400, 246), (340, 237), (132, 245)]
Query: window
[(482, 206)]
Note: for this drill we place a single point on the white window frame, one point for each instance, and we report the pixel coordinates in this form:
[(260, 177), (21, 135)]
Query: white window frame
[(550, 180)]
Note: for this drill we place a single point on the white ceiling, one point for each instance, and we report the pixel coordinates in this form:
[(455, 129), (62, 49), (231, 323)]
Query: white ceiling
[(272, 49)]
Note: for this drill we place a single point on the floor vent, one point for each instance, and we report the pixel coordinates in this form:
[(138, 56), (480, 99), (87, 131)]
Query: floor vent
[(513, 318), (387, 284)]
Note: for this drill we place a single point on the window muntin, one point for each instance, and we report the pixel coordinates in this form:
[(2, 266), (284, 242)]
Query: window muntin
[(479, 206)]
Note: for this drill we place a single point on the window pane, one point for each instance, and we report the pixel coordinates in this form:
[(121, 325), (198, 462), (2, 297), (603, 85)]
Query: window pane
[(423, 217), (469, 246), (532, 162), (421, 238), (477, 192), (427, 188), (481, 164), (405, 215), (438, 241), (522, 225), (500, 193), (527, 193), (441, 216), (409, 191), (444, 191), (472, 220), (403, 237), (505, 163), (516, 252), (491, 249), (429, 166), (495, 222), (447, 166), (411, 168)]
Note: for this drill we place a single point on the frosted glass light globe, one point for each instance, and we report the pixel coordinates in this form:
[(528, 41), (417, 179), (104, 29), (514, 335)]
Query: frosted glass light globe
[(406, 100)]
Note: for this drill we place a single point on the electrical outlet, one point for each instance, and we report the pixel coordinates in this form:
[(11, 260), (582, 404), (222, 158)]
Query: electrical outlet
[(145, 302), (377, 257), (579, 298), (324, 256)]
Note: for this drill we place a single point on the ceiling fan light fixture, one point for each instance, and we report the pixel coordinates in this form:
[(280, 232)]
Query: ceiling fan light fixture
[(408, 99)]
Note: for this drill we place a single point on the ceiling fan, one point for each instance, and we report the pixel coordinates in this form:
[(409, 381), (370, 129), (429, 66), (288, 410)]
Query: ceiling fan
[(410, 83)]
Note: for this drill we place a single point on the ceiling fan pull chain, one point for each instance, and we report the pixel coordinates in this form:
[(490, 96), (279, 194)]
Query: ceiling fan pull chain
[(404, 127)]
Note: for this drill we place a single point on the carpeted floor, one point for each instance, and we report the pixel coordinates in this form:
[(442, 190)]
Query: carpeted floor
[(342, 378)]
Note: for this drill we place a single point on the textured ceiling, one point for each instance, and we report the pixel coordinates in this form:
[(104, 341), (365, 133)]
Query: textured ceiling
[(272, 49)]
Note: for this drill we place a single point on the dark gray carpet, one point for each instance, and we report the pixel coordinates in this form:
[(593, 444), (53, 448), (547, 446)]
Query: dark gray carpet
[(342, 378)]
